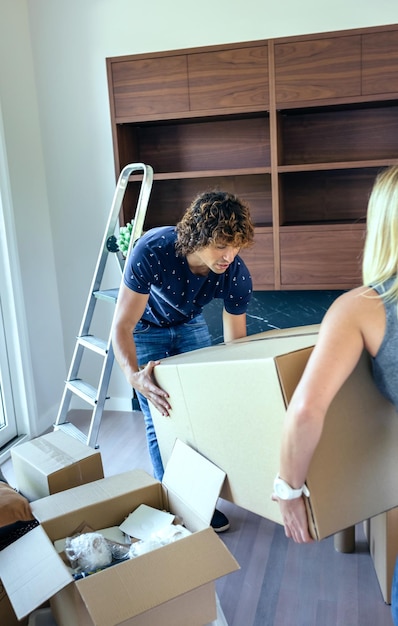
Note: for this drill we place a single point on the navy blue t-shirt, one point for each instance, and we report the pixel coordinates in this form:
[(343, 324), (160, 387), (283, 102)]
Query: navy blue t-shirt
[(176, 294)]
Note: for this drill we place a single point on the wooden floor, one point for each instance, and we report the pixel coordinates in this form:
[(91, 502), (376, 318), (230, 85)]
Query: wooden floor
[(279, 583)]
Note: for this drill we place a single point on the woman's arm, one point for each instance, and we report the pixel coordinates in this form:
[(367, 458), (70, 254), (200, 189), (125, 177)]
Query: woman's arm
[(337, 351)]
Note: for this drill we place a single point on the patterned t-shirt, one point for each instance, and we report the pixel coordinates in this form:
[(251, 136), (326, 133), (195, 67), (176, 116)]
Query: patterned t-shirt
[(176, 294)]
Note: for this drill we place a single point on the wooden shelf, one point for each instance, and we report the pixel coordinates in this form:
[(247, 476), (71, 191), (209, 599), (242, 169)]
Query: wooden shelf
[(343, 165), (212, 173), (298, 126), (324, 225)]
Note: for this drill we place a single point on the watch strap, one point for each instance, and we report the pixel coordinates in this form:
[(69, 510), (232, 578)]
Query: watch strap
[(295, 493)]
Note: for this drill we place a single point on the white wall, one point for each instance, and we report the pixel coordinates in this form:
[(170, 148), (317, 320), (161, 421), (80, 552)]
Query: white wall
[(39, 357), (69, 144)]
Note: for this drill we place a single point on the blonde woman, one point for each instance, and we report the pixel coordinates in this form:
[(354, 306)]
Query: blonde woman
[(363, 318)]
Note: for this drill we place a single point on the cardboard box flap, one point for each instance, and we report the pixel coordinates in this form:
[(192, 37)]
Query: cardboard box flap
[(57, 505), (155, 578), (290, 368), (193, 486), (31, 571)]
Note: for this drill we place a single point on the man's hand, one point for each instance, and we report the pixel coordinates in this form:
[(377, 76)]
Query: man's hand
[(295, 520), (144, 382)]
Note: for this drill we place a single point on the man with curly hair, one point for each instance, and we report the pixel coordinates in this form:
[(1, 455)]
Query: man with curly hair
[(171, 274)]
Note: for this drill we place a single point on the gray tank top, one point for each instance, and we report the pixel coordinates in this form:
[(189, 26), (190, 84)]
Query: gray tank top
[(385, 363)]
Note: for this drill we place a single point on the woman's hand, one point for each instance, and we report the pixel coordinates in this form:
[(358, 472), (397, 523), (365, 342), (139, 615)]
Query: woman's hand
[(294, 515)]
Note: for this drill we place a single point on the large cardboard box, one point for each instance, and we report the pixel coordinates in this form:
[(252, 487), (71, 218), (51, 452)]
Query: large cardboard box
[(382, 534), (170, 586), (53, 463), (229, 402)]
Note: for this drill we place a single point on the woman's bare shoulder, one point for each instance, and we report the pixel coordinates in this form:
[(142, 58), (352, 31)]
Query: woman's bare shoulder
[(358, 311), (356, 301)]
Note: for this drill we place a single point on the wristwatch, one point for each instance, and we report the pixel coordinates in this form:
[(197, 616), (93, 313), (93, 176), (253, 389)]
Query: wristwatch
[(284, 491)]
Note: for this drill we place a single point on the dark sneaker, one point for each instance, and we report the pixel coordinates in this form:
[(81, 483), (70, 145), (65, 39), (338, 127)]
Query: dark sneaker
[(219, 522)]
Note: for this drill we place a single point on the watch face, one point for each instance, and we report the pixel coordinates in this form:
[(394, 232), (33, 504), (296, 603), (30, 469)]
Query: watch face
[(282, 490)]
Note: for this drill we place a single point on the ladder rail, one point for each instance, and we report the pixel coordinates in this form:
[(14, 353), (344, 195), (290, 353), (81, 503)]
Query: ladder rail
[(110, 229), (139, 219), (74, 385), (105, 376)]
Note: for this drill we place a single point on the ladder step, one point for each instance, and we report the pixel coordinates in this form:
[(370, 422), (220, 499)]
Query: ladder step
[(107, 294), (94, 343), (71, 430), (84, 390)]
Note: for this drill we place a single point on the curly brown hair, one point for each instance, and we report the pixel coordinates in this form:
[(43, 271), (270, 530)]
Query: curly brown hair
[(214, 217)]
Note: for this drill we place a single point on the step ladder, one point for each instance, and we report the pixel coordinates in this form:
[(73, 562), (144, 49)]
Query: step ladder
[(75, 386)]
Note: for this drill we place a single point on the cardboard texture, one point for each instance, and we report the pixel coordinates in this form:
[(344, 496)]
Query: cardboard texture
[(172, 585), (53, 463), (382, 534), (229, 403)]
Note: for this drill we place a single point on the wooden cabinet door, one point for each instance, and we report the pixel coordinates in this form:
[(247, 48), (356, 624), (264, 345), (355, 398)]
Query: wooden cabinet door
[(321, 258), (380, 62), (228, 79), (259, 258), (317, 69), (147, 87)]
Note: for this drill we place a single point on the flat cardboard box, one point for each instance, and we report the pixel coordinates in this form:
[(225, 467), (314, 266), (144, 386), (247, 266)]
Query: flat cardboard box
[(170, 586), (52, 463), (229, 403), (382, 534)]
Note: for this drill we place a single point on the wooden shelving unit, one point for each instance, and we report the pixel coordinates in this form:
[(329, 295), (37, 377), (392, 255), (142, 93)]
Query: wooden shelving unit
[(298, 126)]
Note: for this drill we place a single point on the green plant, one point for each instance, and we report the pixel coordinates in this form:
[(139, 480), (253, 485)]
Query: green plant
[(123, 240)]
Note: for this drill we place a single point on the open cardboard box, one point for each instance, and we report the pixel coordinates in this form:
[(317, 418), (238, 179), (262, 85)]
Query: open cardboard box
[(170, 586), (52, 463), (229, 403)]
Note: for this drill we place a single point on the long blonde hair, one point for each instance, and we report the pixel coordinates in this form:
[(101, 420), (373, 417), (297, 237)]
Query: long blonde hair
[(380, 259)]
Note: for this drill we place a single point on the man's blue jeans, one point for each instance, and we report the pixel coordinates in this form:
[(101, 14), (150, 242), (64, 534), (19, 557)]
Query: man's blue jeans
[(394, 596), (153, 344)]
